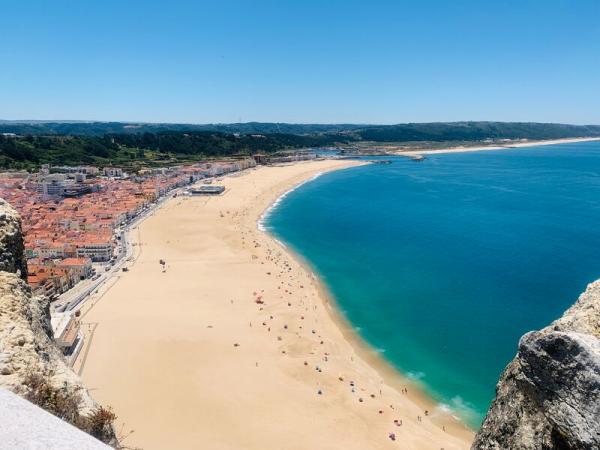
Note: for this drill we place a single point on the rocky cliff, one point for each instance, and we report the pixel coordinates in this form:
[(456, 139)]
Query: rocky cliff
[(548, 397), (12, 258), (30, 363)]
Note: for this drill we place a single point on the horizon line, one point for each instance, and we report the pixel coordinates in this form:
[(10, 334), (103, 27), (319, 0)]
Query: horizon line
[(367, 124)]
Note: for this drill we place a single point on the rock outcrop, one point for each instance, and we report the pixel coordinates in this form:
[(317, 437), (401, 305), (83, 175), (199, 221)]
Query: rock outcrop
[(26, 345), (31, 365), (12, 258), (548, 397)]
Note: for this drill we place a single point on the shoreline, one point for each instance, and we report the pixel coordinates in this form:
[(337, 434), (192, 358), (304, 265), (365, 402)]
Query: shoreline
[(374, 358), (267, 212), (518, 145), (342, 420)]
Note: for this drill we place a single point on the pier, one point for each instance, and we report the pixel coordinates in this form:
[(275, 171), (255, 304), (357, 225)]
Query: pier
[(413, 156)]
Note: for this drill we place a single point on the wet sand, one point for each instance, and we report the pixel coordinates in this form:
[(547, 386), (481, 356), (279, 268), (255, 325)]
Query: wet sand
[(234, 343)]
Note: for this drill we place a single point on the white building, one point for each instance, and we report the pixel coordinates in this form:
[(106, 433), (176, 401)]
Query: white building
[(80, 268), (50, 251), (114, 172), (96, 251), (51, 185)]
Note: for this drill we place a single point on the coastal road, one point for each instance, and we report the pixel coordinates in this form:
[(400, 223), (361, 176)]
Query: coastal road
[(75, 297)]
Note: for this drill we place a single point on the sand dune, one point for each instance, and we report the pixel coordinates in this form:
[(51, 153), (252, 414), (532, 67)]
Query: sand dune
[(508, 146), (235, 346)]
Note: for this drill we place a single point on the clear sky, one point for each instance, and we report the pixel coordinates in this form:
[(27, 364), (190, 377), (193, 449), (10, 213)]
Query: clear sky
[(300, 61)]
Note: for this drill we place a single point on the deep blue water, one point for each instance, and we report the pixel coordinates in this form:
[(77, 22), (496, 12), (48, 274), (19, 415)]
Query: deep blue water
[(444, 264)]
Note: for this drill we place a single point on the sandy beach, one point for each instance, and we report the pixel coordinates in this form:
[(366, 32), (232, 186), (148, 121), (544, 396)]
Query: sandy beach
[(235, 344), (510, 146)]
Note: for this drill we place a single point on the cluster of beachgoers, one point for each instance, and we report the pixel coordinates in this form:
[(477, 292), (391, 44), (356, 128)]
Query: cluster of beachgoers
[(237, 344)]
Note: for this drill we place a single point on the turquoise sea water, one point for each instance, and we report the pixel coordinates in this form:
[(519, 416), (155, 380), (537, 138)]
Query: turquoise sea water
[(442, 265)]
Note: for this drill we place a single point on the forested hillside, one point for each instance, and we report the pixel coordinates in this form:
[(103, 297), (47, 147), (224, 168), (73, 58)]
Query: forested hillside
[(474, 131), (436, 131), (105, 143), (102, 128), (25, 152)]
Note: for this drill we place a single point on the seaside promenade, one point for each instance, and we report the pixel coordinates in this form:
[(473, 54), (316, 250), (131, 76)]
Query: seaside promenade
[(234, 345)]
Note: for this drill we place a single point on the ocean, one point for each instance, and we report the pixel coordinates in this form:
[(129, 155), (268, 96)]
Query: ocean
[(442, 265)]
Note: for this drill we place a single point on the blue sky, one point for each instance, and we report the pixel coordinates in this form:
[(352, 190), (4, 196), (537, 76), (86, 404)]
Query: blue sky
[(300, 61)]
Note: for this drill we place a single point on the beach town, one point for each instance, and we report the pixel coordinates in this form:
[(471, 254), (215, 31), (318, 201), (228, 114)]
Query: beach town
[(74, 221), (140, 264)]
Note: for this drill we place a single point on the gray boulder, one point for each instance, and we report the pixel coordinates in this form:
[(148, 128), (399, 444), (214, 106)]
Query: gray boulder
[(548, 397)]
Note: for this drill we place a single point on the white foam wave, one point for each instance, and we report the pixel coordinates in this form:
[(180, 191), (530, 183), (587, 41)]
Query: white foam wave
[(280, 243), (416, 375), (260, 224), (460, 409)]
